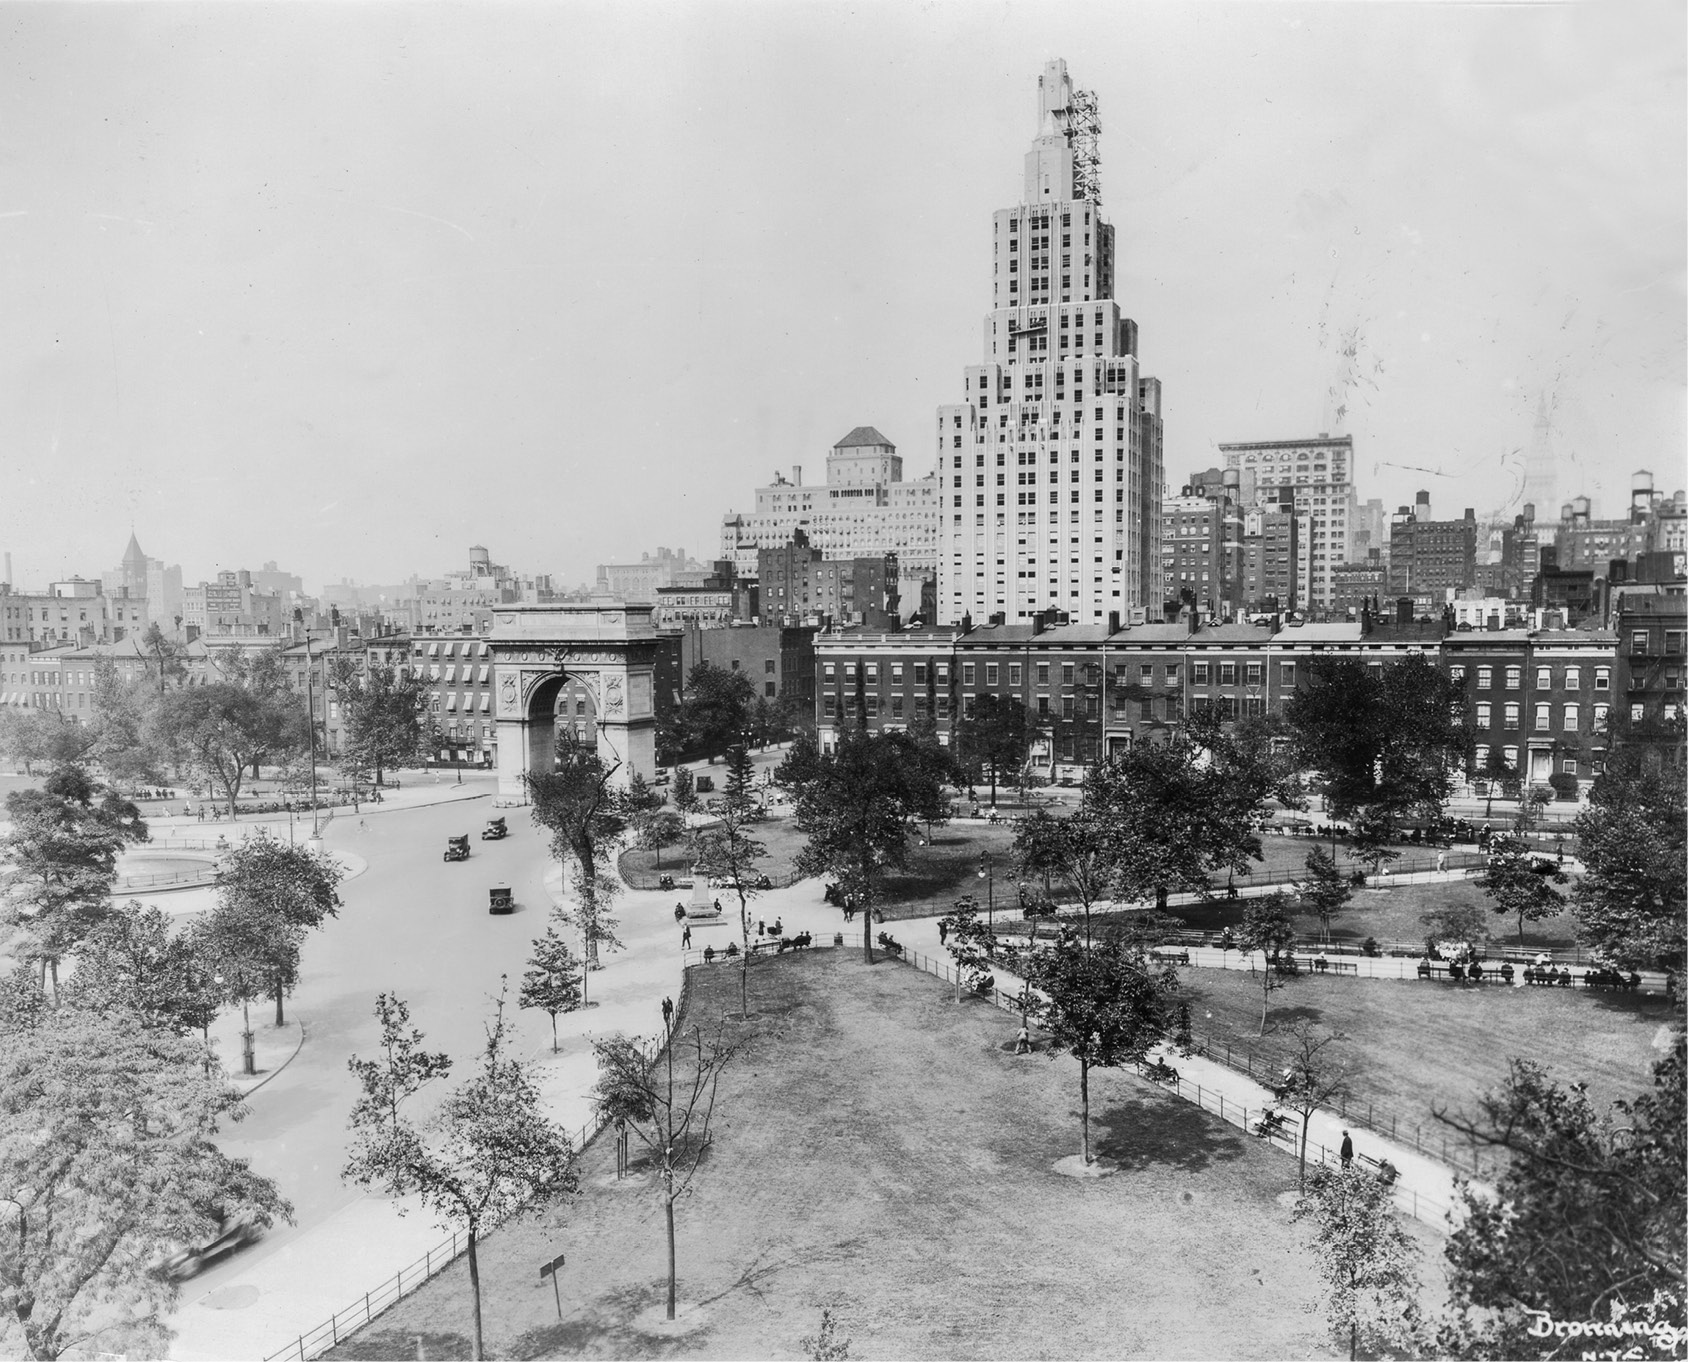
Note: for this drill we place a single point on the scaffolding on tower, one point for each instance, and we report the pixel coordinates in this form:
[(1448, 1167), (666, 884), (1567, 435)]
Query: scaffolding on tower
[(1082, 125)]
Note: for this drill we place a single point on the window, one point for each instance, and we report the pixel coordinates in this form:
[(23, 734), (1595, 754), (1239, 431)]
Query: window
[(1513, 712), (1511, 756), (1570, 724), (1254, 673), (1043, 673), (770, 689), (1456, 673), (1514, 677), (1146, 707), (1066, 706), (1484, 714), (1066, 673), (1286, 674), (767, 666), (1568, 766), (1198, 673), (1014, 673), (1638, 641), (967, 673), (1171, 673), (896, 673), (943, 673), (826, 671), (990, 673), (1599, 716), (1573, 678), (1673, 642), (1227, 673), (1544, 678), (1481, 755), (920, 673), (1637, 713), (1043, 704), (829, 706), (1602, 678), (1544, 719), (1485, 678)]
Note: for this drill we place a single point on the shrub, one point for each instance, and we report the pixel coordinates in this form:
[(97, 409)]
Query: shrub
[(1564, 785)]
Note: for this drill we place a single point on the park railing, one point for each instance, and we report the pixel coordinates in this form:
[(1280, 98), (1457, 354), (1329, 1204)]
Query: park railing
[(163, 880), (1414, 1203)]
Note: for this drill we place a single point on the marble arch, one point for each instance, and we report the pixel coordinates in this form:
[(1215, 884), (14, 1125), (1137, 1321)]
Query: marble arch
[(536, 650)]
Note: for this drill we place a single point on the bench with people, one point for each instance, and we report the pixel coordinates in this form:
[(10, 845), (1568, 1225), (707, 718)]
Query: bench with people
[(889, 945), (1322, 964)]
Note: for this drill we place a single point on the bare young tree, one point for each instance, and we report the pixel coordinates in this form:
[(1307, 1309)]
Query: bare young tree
[(724, 852), (671, 1120), (1310, 1080)]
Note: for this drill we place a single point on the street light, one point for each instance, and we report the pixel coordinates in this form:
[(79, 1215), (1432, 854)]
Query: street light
[(988, 875)]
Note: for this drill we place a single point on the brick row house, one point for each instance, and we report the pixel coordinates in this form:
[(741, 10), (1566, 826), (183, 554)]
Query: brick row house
[(1543, 694)]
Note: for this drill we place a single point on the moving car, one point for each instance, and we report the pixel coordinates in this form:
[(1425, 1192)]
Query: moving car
[(500, 900), (457, 849), (494, 831), (233, 1232)]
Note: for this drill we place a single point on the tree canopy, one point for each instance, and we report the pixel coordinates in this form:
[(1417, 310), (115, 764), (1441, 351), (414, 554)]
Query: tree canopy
[(1516, 888), (384, 711), (996, 734), (714, 712), (223, 729), (1632, 901)]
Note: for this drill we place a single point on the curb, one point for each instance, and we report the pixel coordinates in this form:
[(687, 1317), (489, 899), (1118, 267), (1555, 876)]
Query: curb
[(279, 1067)]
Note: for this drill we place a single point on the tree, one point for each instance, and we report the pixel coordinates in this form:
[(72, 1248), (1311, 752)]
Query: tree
[(971, 944), (1309, 1081), (1385, 741), (585, 816), (1104, 1005), (826, 1346), (741, 772), (1367, 1259), (672, 1125), (1585, 1221), (403, 1070), (58, 860), (1516, 888), (1370, 843), (724, 852), (247, 950), (997, 732), (1267, 928), (685, 790), (1462, 923), (1632, 901), (483, 1157), (715, 711), (384, 711), (123, 729), (858, 805), (106, 1160), (1077, 850), (553, 983), (643, 806), (1501, 774), (131, 960), (166, 658), (293, 885), (285, 724), (220, 730), (1326, 890)]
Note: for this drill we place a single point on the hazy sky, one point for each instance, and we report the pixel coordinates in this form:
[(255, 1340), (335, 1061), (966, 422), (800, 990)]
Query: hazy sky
[(352, 287)]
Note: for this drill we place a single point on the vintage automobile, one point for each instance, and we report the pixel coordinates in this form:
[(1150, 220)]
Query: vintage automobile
[(494, 831), (499, 900), (233, 1232), (457, 849)]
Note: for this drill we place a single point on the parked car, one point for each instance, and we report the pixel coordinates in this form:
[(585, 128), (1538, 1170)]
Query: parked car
[(457, 849)]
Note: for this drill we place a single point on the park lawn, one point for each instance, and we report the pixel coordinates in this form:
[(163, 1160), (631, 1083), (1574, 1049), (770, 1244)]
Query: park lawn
[(778, 833), (1395, 914), (881, 1152), (1412, 1047)]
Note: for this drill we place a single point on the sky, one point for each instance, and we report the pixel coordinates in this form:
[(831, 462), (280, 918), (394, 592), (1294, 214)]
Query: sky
[(351, 287)]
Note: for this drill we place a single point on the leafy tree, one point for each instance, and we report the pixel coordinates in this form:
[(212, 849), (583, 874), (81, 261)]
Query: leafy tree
[(1585, 1221), (1104, 1005), (1514, 886), (220, 730), (1370, 843), (643, 806), (685, 790), (1460, 922), (166, 658), (858, 805), (293, 885), (1502, 775), (553, 983), (1326, 890), (1076, 850), (1632, 901), (403, 1070), (724, 852), (1309, 1081), (133, 961), (1385, 741), (672, 1123), (741, 773), (996, 732), (286, 725), (384, 711), (247, 951), (970, 943), (586, 816), (106, 1160), (58, 860), (1267, 928), (47, 736), (123, 731), (482, 1158), (1367, 1259), (715, 711)]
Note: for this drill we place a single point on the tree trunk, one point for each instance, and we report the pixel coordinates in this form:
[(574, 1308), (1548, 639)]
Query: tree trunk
[(1084, 1105), (1301, 1172), (475, 1294), (280, 1020), (668, 1208), (553, 1033), (867, 933), (247, 1058), (53, 969), (1265, 989)]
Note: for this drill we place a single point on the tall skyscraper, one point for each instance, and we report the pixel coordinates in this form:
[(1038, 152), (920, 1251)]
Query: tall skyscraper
[(1316, 478), (1049, 472)]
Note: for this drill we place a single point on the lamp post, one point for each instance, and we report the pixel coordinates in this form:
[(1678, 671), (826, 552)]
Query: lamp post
[(987, 873)]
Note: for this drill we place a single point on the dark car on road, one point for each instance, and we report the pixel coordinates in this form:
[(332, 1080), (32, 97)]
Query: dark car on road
[(457, 849)]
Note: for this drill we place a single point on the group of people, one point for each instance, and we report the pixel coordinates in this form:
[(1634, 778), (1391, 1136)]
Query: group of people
[(1543, 973)]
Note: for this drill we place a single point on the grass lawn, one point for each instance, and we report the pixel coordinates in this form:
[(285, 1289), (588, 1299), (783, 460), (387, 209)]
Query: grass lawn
[(1409, 1046), (777, 833), (883, 1153)]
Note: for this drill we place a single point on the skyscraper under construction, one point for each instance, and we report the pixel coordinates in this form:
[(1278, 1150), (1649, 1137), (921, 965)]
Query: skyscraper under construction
[(1049, 471)]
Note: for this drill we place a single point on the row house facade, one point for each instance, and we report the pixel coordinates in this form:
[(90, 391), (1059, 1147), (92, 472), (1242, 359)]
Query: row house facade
[(1541, 697)]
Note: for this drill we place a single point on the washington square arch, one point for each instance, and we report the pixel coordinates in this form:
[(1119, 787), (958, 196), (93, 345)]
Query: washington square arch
[(589, 667)]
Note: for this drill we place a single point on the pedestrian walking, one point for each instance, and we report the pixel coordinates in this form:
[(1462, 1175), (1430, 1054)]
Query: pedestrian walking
[(1441, 860), (1347, 1152), (686, 938), (668, 1014), (943, 931), (1023, 1041), (761, 927), (679, 912)]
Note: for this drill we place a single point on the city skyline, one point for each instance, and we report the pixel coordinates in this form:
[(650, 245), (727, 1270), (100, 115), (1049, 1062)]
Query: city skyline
[(351, 288)]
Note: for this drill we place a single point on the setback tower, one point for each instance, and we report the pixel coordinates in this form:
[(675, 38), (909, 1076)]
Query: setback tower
[(1049, 471)]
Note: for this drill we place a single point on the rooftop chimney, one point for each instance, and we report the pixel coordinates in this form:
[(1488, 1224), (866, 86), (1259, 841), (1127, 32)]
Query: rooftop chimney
[(797, 474), (1404, 611)]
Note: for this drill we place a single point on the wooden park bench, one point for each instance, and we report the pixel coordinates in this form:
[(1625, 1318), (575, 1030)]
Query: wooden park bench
[(1170, 957)]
